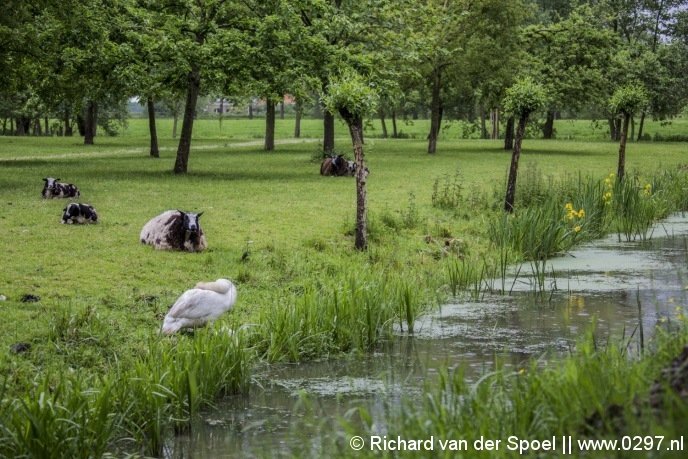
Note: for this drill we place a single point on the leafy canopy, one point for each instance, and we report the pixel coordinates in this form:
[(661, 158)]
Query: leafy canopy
[(350, 95), (524, 97), (629, 99)]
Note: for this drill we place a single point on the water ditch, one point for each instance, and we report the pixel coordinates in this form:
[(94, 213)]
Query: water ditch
[(295, 409)]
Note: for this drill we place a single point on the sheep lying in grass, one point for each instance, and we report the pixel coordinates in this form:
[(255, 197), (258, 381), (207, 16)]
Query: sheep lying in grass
[(336, 166), (175, 230), (53, 189), (200, 305), (79, 213)]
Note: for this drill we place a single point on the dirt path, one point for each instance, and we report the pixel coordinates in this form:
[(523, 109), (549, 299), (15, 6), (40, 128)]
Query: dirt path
[(143, 151)]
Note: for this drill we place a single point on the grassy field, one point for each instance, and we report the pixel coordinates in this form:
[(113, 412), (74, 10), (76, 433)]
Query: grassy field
[(103, 294), (275, 204)]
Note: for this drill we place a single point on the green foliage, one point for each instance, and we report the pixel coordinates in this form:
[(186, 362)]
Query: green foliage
[(572, 57), (350, 93), (628, 99), (524, 97)]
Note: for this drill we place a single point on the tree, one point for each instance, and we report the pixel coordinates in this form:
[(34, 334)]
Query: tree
[(626, 101), (367, 35), (208, 43), (354, 98), (278, 62), (572, 58), (457, 36), (522, 99)]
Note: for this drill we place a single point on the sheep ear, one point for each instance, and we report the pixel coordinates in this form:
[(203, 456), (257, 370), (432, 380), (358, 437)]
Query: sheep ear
[(45, 179), (199, 214), (181, 212), (58, 179)]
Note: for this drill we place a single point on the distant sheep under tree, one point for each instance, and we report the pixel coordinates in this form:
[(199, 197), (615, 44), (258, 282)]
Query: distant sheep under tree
[(53, 189), (175, 230), (79, 214), (336, 166)]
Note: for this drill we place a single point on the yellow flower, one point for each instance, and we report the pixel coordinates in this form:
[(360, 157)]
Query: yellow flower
[(581, 213), (568, 206), (577, 228)]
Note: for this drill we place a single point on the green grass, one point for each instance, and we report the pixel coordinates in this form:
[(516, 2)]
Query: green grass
[(103, 294)]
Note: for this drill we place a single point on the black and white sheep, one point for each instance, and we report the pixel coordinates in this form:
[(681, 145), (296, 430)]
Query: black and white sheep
[(79, 213), (175, 230), (53, 189)]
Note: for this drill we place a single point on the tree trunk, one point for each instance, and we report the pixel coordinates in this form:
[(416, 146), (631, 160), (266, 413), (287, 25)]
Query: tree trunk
[(435, 111), (395, 133), (632, 134), (175, 118), (90, 121), (622, 148), (483, 124), (269, 125), (222, 111), (548, 127), (298, 110), (282, 110), (356, 131), (69, 131), (250, 109), (509, 134), (615, 129), (612, 128), (328, 138), (494, 118), (23, 125), (641, 125), (47, 126), (381, 113), (154, 150), (193, 89), (513, 170)]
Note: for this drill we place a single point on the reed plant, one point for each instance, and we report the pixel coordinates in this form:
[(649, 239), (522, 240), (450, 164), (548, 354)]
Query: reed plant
[(635, 208), (74, 418), (353, 312), (587, 208)]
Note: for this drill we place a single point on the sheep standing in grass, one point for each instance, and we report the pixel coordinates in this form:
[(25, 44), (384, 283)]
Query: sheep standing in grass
[(53, 189), (200, 305), (175, 230)]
